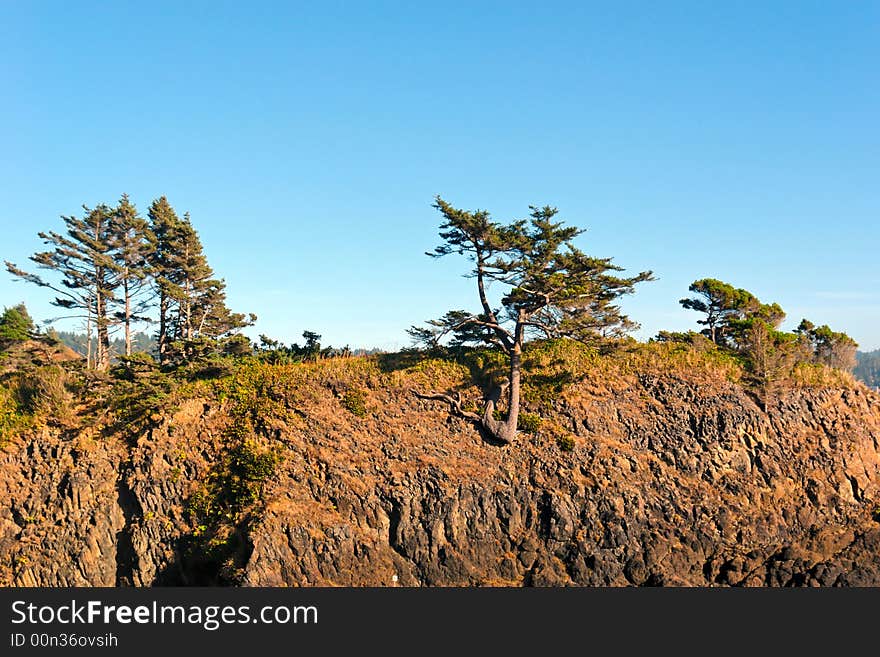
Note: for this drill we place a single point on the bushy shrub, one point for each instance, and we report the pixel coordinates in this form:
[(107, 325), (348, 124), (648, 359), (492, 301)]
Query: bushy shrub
[(134, 402), (355, 401), (233, 484), (137, 366), (12, 420), (222, 508), (529, 422), (212, 367), (565, 442), (237, 345), (16, 325)]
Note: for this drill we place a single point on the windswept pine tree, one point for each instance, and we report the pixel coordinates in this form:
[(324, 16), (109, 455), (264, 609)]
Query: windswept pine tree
[(192, 302), (829, 347), (89, 274), (164, 224), (739, 323), (720, 302), (196, 291), (132, 245), (552, 290), (113, 265)]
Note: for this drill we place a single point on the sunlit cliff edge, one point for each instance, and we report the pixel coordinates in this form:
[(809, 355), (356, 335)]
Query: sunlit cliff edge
[(653, 467)]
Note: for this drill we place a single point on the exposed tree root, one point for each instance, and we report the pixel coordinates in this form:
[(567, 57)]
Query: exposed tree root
[(498, 430)]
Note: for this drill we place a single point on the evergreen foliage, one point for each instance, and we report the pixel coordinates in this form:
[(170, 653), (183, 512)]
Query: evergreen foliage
[(132, 244), (828, 347), (192, 302), (738, 322), (553, 290), (89, 275), (16, 325), (113, 265)]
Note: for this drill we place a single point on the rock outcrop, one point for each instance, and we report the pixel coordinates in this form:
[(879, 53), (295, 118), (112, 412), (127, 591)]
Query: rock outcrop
[(671, 481)]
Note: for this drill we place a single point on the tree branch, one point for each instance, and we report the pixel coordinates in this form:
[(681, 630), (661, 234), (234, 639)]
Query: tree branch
[(454, 403), (504, 337)]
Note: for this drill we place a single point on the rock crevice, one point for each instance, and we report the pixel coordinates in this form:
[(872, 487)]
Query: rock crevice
[(669, 483)]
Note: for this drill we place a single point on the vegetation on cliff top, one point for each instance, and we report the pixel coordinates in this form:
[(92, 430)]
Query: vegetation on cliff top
[(556, 323), (111, 268), (552, 290), (260, 400)]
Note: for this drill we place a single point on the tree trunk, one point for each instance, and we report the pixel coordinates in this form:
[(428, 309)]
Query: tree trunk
[(501, 431), (102, 361), (504, 431), (188, 323), (127, 316), (187, 305), (89, 336), (513, 392), (163, 326)]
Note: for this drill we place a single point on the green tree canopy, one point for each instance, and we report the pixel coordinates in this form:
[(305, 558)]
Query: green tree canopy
[(89, 274), (192, 302), (728, 310), (16, 325), (550, 288), (720, 302), (828, 347)]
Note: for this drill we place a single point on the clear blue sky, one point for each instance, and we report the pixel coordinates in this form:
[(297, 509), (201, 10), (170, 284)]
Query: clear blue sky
[(737, 140)]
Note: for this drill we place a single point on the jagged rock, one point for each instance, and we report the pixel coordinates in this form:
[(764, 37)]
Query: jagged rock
[(671, 482)]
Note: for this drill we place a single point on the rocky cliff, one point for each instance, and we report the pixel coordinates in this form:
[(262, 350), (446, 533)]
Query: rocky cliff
[(673, 478)]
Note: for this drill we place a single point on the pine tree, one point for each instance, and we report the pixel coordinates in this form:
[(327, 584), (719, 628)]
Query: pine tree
[(729, 310), (554, 290), (828, 347), (164, 224), (16, 325), (212, 318), (132, 246), (89, 274), (196, 291), (192, 303), (720, 302)]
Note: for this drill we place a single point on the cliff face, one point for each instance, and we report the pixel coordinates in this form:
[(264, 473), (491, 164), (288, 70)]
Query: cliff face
[(672, 480)]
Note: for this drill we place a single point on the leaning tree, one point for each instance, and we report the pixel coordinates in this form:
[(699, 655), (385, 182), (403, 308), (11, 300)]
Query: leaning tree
[(550, 289), (83, 258)]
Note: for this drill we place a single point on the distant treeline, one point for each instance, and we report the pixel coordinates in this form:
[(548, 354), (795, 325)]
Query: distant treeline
[(79, 343), (868, 368), (269, 349)]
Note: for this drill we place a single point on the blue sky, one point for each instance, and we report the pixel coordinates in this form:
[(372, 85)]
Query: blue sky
[(736, 140)]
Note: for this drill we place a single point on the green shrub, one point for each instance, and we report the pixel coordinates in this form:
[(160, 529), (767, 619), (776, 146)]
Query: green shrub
[(15, 325), (355, 401), (226, 504), (486, 365), (235, 483), (528, 422), (237, 345), (134, 402), (12, 420), (565, 442), (137, 366)]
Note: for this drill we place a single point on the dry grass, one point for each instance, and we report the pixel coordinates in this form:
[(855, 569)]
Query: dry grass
[(821, 376), (681, 359)]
